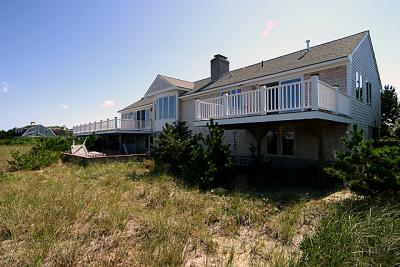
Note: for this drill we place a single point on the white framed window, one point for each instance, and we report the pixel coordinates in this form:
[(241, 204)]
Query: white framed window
[(359, 86), (368, 89), (165, 107)]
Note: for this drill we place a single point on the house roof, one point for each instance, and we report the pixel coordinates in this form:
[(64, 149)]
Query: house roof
[(179, 83), (142, 102), (325, 52), (332, 50)]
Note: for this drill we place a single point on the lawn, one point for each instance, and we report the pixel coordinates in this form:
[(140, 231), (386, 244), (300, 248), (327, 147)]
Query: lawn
[(124, 214)]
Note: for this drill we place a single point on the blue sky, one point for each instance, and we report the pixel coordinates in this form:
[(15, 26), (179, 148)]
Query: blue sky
[(70, 62)]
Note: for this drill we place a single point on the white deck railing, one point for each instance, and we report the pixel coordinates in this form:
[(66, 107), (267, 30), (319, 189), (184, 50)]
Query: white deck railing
[(311, 94), (111, 125)]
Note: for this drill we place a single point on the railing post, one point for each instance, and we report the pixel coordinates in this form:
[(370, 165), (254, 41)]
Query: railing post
[(101, 125), (336, 99), (314, 92), (108, 124), (263, 102), (197, 109), (226, 104), (115, 123)]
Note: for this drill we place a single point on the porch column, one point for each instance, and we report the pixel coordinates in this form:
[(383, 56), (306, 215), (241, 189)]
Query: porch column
[(314, 92), (321, 155), (336, 99), (115, 123), (226, 104), (263, 102), (120, 142)]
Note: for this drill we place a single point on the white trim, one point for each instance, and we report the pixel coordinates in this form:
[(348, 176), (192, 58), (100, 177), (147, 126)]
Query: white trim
[(304, 115), (358, 45), (300, 71)]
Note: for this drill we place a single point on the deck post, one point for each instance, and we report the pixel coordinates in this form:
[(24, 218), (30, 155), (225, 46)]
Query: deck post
[(314, 92), (101, 125), (115, 123), (226, 105), (108, 124), (321, 155), (336, 99), (90, 128), (263, 102)]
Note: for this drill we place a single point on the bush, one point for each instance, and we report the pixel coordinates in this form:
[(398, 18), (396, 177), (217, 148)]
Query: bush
[(366, 169), (36, 158), (211, 166), (173, 147), (198, 161), (42, 154)]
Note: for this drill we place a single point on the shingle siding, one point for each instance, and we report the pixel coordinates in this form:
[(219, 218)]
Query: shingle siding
[(363, 62), (334, 76)]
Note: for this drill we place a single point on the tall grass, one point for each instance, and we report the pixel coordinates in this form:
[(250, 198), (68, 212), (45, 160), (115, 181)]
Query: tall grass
[(357, 233), (104, 215)]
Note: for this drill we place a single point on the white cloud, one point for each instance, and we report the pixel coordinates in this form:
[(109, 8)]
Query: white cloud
[(108, 103), (5, 87), (64, 106)]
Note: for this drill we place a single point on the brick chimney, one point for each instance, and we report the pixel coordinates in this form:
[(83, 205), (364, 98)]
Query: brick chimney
[(219, 67)]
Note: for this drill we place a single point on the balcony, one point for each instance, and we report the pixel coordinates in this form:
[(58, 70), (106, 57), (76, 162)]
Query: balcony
[(113, 126), (272, 102)]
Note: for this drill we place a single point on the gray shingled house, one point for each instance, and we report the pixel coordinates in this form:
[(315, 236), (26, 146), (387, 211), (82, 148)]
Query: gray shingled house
[(294, 108)]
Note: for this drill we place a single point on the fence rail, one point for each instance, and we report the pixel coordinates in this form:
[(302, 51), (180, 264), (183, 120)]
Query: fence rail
[(297, 96), (113, 124)]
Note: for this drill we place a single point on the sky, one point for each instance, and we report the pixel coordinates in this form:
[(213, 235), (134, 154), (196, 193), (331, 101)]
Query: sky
[(70, 62)]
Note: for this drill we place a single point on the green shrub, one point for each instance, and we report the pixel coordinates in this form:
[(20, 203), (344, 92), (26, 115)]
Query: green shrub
[(210, 166), (43, 153), (173, 147), (366, 169), (356, 233), (56, 144), (202, 162), (36, 158)]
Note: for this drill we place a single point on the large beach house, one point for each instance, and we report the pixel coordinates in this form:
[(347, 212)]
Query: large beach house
[(295, 107)]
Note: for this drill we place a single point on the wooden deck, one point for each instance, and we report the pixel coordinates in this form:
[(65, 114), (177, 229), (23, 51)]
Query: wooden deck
[(68, 157)]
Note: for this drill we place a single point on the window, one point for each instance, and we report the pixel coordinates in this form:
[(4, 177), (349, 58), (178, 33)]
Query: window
[(368, 88), (234, 101), (359, 87), (172, 107), (288, 137), (272, 142), (159, 115), (165, 108)]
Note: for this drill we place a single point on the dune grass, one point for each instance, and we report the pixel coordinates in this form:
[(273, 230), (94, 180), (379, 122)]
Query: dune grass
[(114, 213), (125, 214), (357, 233)]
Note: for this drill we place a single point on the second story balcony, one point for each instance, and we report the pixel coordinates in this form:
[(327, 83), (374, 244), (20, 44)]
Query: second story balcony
[(113, 126), (270, 102)]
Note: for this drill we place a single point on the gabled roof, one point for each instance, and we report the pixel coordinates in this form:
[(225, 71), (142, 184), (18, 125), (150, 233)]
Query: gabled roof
[(178, 82), (329, 51), (141, 103)]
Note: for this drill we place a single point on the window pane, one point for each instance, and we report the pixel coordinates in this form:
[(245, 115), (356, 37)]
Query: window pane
[(288, 142), (159, 115), (165, 107), (272, 142), (172, 107)]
